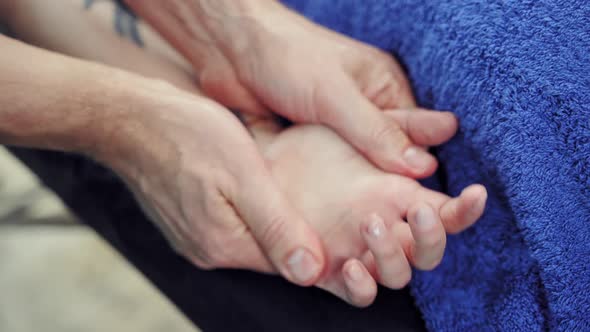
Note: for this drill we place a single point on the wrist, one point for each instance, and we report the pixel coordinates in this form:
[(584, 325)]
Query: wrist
[(138, 123), (235, 25), (123, 103)]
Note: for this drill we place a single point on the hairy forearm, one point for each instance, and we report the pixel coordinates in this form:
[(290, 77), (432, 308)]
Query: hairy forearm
[(55, 102)]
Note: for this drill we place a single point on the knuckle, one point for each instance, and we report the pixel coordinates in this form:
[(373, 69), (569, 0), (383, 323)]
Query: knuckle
[(275, 231), (394, 87), (397, 89), (386, 132)]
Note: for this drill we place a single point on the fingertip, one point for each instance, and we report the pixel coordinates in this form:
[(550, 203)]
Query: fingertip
[(447, 117), (303, 267), (463, 211), (361, 288), (420, 163), (475, 192), (476, 197), (449, 124)]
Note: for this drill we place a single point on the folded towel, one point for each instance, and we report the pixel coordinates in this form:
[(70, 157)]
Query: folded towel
[(517, 74)]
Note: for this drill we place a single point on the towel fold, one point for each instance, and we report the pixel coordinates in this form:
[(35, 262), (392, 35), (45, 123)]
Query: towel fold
[(517, 74)]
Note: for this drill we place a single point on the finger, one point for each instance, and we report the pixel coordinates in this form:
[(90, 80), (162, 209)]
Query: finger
[(459, 213), (287, 240), (264, 129), (379, 137), (361, 288), (389, 92), (383, 99), (404, 236), (400, 92), (426, 127), (429, 237), (386, 85), (392, 265), (396, 94)]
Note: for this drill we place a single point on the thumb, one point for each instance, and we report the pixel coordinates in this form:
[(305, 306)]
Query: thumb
[(425, 127), (378, 136), (291, 245)]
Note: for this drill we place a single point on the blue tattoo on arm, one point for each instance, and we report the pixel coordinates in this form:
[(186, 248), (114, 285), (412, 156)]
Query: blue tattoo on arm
[(124, 20)]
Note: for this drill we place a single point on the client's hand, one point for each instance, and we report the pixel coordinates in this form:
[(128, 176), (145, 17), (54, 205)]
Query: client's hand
[(359, 210)]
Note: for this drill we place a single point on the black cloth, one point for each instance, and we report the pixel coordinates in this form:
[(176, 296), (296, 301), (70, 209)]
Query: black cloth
[(222, 300)]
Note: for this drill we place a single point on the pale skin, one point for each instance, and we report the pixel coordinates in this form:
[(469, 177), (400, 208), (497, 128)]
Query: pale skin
[(357, 209)]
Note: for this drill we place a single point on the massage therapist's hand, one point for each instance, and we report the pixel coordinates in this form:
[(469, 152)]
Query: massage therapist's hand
[(257, 55), (189, 161), (198, 173)]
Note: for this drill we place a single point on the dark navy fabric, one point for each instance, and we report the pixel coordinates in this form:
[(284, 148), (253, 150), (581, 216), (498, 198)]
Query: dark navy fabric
[(517, 74)]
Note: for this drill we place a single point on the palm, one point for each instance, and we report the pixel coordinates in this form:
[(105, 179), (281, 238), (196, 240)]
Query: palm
[(335, 188)]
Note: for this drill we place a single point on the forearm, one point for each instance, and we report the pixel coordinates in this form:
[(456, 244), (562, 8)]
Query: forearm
[(212, 26), (55, 102), (91, 35)]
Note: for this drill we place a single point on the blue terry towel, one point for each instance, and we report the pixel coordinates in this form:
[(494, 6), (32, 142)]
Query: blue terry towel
[(517, 74)]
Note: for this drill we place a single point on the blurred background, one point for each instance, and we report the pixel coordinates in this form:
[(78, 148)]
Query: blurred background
[(57, 275)]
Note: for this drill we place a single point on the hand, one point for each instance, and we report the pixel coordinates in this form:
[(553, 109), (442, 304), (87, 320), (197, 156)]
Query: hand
[(359, 210), (198, 174), (258, 56)]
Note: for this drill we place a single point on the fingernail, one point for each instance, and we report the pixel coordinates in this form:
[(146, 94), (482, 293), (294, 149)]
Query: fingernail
[(425, 218), (417, 158), (376, 227), (354, 272), (302, 265)]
